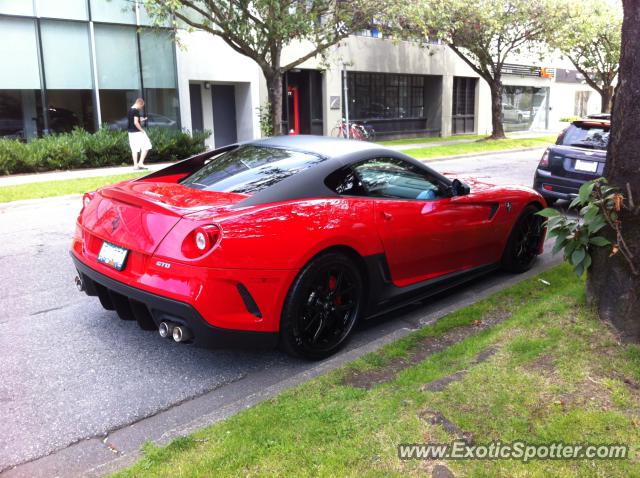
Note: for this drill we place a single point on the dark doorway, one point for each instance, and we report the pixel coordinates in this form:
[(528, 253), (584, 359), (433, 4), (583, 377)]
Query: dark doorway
[(464, 105), (224, 115), (195, 98), (302, 108)]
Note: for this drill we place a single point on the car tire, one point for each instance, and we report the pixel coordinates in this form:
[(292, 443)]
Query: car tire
[(522, 247), (551, 201), (322, 307)]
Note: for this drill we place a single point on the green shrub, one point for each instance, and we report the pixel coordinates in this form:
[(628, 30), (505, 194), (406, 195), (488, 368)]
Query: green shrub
[(80, 149), (569, 119), (13, 157)]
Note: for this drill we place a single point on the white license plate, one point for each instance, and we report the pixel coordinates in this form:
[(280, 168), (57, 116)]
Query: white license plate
[(588, 166), (113, 256)]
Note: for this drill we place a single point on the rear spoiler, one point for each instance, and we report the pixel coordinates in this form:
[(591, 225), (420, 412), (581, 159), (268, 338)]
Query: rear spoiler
[(189, 165)]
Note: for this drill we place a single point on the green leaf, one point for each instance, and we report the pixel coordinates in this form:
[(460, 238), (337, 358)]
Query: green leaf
[(585, 191), (596, 225), (548, 212), (574, 203), (560, 243), (599, 241), (579, 269), (578, 256), (586, 263)]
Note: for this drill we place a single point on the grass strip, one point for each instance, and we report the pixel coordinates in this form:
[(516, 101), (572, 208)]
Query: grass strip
[(478, 147), (60, 188)]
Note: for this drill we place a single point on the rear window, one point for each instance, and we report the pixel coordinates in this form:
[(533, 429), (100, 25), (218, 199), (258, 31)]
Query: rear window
[(249, 169), (586, 136)]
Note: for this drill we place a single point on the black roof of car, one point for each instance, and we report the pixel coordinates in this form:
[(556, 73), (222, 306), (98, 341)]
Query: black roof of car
[(325, 146)]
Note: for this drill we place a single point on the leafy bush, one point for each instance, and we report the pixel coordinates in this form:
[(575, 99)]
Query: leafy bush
[(598, 206), (80, 149), (569, 119)]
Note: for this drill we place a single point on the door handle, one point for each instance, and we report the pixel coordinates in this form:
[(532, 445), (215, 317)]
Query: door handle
[(387, 216)]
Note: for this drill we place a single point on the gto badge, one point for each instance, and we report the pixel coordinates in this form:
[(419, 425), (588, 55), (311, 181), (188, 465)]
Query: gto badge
[(508, 206), (164, 265)]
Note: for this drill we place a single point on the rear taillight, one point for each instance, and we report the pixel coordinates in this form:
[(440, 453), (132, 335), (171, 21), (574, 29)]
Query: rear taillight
[(544, 162), (200, 241), (86, 199)]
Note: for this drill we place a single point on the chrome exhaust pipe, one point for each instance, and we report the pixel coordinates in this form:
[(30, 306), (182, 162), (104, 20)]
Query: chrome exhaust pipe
[(166, 329), (181, 333), (79, 283)]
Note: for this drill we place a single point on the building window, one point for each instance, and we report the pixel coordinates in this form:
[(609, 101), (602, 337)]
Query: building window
[(524, 108), (393, 103), (118, 72), (68, 9), (114, 11), (13, 7), (464, 105), (159, 77), (20, 98), (69, 84)]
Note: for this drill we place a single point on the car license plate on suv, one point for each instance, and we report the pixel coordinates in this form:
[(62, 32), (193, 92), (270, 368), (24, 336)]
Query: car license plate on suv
[(112, 255), (588, 166)]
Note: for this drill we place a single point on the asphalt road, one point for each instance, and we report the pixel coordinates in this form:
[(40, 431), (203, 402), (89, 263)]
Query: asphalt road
[(69, 370)]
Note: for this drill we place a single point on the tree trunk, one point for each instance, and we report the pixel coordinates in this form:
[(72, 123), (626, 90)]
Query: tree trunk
[(496, 109), (605, 99), (274, 88), (611, 285)]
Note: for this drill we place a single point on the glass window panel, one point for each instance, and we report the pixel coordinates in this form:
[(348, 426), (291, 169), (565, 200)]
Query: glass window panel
[(19, 53), (148, 20), (113, 11), (67, 66), (21, 116), (117, 57), (159, 77), (158, 66), (68, 109), (71, 9), (67, 60), (16, 7), (118, 72)]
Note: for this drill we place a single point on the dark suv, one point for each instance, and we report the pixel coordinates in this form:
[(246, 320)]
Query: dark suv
[(577, 157)]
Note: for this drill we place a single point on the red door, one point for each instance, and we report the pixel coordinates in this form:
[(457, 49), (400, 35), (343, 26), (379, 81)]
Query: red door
[(294, 114), (427, 239), (425, 232)]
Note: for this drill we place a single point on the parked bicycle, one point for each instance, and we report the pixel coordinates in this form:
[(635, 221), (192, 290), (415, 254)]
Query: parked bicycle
[(357, 130)]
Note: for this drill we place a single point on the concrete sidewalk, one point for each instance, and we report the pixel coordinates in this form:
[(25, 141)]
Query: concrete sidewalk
[(16, 179)]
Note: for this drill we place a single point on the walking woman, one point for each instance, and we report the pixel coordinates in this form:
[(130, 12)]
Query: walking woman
[(138, 139)]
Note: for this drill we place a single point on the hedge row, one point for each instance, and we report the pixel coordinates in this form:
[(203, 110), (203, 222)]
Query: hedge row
[(80, 149)]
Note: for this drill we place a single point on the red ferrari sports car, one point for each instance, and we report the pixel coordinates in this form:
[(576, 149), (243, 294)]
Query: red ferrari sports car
[(292, 240)]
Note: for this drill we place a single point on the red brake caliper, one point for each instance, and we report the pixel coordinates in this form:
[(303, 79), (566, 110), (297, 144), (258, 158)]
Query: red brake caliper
[(333, 282)]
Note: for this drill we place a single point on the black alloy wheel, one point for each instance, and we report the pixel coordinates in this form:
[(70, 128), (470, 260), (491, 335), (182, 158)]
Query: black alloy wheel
[(322, 307), (524, 242)]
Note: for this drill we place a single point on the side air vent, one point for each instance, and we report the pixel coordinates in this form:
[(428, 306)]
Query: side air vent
[(249, 303)]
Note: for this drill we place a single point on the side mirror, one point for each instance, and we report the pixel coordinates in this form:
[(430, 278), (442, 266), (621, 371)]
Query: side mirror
[(458, 188)]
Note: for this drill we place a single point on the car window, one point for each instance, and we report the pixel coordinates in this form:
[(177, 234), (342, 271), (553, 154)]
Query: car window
[(249, 169), (586, 136), (395, 178), (345, 182)]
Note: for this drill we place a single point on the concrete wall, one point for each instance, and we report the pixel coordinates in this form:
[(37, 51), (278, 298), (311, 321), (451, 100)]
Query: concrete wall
[(203, 58)]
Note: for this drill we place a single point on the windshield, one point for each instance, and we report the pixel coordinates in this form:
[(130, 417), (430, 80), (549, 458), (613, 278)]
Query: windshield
[(586, 136), (249, 169)]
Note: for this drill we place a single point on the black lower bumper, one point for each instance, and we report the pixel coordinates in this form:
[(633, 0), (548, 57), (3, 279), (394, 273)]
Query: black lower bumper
[(150, 309), (556, 187)]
